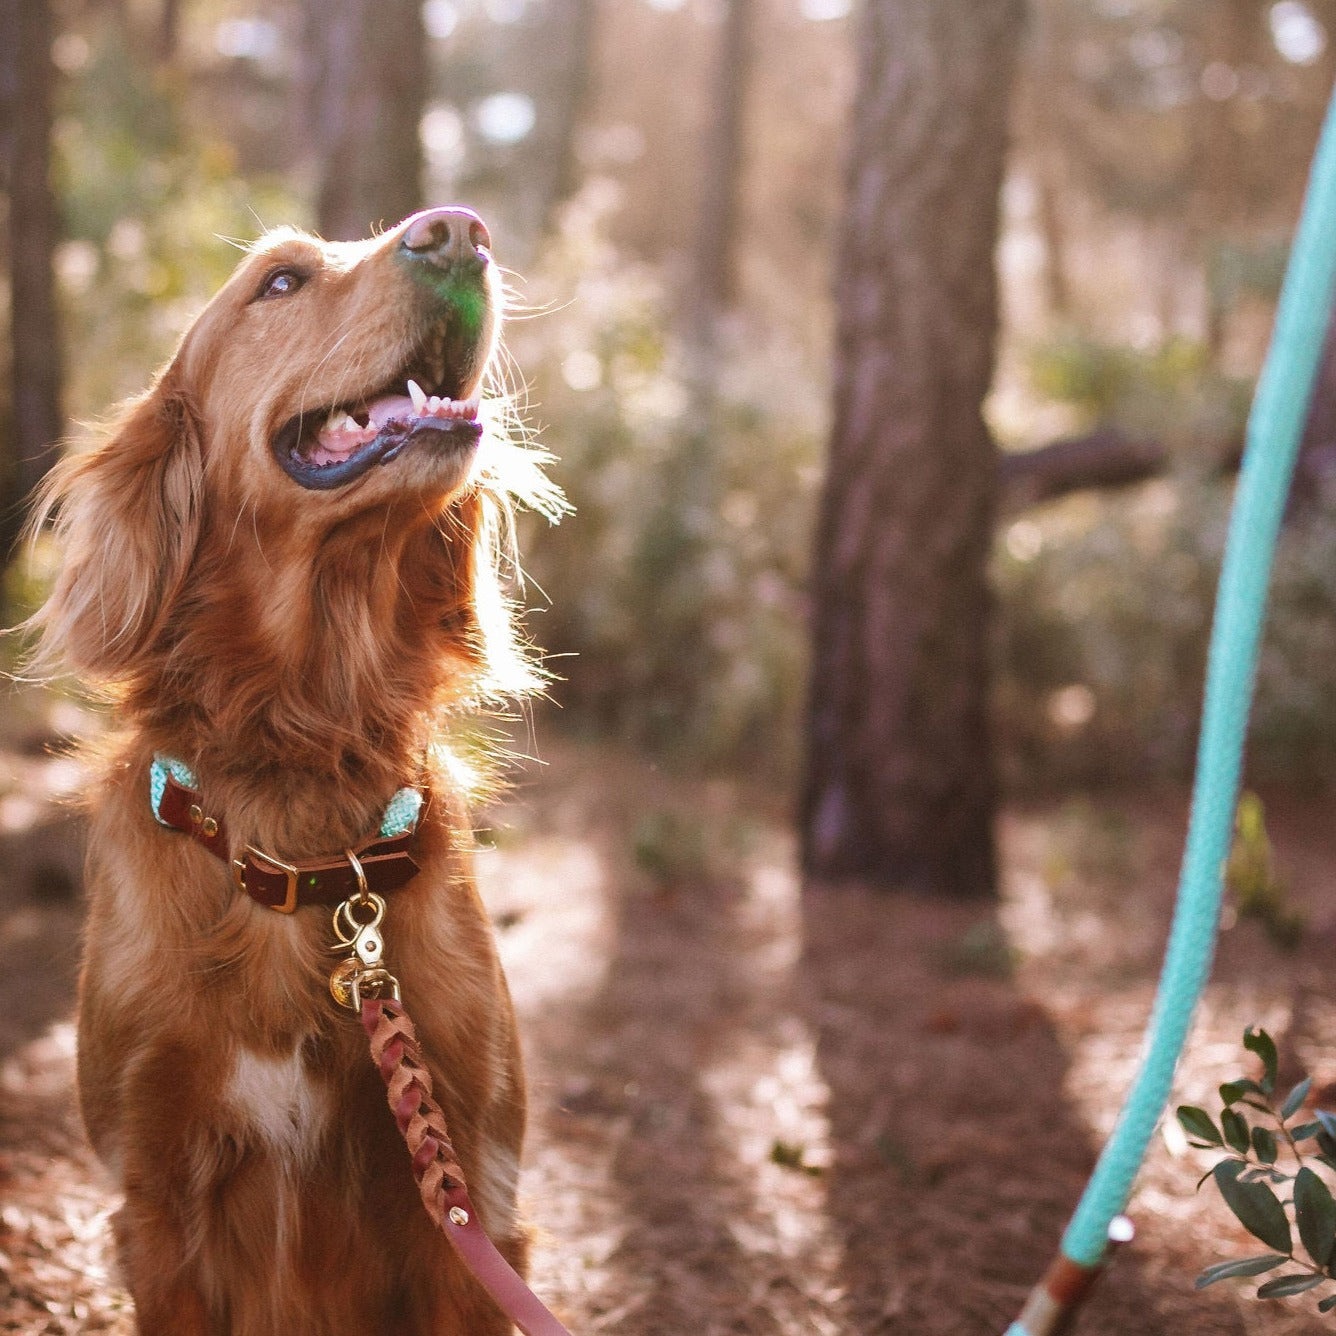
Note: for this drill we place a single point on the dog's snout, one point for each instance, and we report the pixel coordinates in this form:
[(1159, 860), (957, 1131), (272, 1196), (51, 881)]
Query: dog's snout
[(450, 238)]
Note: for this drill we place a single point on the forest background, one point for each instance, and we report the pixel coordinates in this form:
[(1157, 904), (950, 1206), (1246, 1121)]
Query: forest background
[(1157, 157), (748, 1121)]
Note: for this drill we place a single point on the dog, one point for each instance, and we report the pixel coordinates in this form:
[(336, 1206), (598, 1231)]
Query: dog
[(283, 563)]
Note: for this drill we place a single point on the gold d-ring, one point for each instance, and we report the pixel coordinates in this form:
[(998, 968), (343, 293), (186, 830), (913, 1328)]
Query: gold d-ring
[(363, 890)]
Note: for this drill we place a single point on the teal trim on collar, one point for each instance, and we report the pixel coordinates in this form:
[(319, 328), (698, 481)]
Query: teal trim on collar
[(401, 812), (157, 781)]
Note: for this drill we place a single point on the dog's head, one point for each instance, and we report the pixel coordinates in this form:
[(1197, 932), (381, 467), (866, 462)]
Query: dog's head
[(309, 492)]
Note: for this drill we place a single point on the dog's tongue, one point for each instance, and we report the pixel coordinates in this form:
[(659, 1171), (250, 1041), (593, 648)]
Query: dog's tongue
[(341, 436), (339, 439), (390, 407)]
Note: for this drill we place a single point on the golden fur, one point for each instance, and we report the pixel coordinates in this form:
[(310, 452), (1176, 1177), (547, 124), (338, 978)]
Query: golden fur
[(296, 648)]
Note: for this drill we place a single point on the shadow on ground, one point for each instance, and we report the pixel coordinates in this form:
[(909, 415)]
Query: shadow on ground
[(759, 1112)]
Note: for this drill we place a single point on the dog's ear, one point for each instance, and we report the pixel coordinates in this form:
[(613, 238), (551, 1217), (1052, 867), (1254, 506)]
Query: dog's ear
[(127, 515)]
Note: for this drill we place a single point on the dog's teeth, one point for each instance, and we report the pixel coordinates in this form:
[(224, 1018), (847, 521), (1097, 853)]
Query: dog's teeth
[(334, 422), (350, 423), (417, 395)]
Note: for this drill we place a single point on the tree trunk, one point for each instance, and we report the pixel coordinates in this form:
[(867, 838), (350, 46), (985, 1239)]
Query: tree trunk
[(34, 332), (169, 31), (366, 81), (573, 31), (899, 788), (713, 275)]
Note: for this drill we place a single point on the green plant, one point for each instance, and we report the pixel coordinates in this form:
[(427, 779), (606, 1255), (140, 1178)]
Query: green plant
[(1257, 887), (1271, 1203)]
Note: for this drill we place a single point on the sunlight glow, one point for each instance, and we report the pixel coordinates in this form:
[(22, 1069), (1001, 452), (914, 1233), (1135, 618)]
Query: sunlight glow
[(505, 118), (247, 39), (582, 370), (819, 11), (440, 18), (442, 133), (1297, 33)]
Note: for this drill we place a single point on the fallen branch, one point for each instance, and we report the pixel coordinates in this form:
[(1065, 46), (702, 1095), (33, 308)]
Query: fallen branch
[(1105, 457)]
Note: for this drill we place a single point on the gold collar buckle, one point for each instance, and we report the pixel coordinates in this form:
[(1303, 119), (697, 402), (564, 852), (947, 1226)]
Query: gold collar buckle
[(291, 873)]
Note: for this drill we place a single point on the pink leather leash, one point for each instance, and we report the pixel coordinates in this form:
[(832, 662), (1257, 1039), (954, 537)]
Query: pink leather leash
[(395, 1051)]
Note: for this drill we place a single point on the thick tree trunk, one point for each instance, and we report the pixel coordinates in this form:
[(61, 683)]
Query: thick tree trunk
[(33, 227), (899, 788), (367, 84)]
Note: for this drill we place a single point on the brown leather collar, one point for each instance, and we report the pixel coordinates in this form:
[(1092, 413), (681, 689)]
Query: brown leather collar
[(270, 881)]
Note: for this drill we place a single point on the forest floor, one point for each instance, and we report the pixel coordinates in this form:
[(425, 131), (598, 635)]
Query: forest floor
[(756, 1111)]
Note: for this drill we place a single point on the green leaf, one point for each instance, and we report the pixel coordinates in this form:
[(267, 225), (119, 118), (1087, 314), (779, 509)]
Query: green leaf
[(1258, 1208), (1259, 1042), (1328, 1121), (1295, 1283), (1305, 1130), (1295, 1099), (1236, 1130), (1327, 1304), (1264, 1145), (1315, 1214), (1245, 1266), (1198, 1123), (1233, 1091)]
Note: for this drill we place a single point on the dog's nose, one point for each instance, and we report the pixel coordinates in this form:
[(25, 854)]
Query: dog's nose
[(451, 238)]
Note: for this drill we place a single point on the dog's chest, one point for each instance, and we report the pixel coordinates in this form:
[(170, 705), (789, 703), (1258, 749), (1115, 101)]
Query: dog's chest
[(278, 1103)]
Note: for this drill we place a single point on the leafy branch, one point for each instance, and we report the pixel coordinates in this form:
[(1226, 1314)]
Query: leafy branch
[(1258, 1190)]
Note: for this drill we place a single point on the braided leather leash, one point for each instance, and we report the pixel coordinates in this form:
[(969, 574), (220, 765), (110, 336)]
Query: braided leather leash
[(395, 1051)]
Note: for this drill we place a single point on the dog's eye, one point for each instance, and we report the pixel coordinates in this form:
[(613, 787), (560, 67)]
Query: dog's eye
[(281, 283)]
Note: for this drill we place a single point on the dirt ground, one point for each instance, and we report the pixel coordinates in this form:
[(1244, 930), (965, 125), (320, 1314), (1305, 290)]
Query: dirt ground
[(756, 1111)]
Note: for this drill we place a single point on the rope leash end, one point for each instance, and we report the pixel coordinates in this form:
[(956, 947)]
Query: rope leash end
[(1055, 1301)]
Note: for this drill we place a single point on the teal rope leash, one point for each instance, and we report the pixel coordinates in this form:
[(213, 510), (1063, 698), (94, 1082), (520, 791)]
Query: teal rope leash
[(1275, 426)]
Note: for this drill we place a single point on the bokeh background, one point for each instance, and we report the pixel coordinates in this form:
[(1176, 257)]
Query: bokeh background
[(666, 180), (1157, 159)]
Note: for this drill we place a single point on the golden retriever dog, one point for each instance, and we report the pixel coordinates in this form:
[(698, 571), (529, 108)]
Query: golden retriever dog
[(282, 562)]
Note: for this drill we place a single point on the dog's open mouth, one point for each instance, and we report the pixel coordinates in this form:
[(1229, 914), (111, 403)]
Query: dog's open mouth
[(331, 447)]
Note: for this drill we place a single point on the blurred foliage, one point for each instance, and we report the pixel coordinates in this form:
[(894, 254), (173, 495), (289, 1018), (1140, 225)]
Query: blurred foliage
[(1105, 600), (154, 209), (677, 613), (1173, 392), (677, 586), (1105, 611)]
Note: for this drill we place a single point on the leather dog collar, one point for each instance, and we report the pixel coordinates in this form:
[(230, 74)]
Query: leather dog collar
[(383, 862)]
